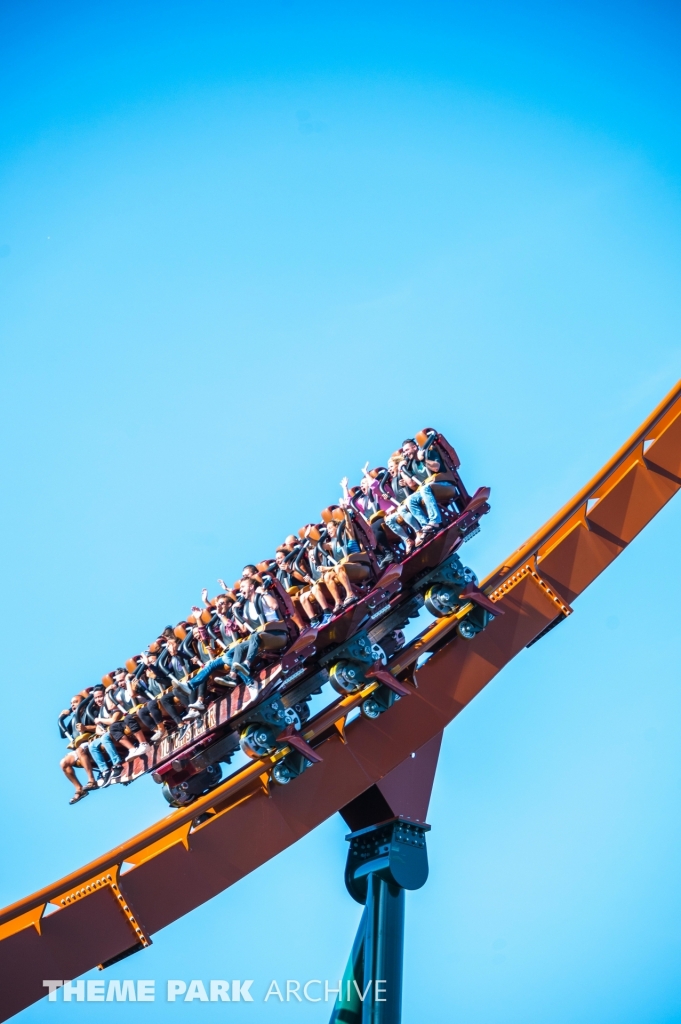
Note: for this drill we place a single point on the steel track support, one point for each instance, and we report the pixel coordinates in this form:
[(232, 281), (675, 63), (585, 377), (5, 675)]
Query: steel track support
[(383, 861)]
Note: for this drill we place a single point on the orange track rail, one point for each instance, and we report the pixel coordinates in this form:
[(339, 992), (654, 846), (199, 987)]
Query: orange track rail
[(114, 904)]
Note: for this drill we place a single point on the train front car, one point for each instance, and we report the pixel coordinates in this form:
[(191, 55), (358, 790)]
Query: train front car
[(346, 656)]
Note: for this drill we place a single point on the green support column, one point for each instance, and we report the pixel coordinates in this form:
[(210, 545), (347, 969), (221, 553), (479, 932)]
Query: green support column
[(384, 950), (383, 861), (348, 1007)]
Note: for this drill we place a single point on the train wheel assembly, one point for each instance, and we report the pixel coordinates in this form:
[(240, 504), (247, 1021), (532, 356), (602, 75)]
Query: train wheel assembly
[(290, 767), (258, 740), (195, 786), (441, 599), (379, 701), (282, 774), (346, 676), (291, 717), (466, 629), (371, 708)]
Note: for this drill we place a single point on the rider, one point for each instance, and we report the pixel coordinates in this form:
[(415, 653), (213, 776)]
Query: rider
[(70, 725), (107, 715), (152, 685), (315, 559), (199, 682), (263, 622), (341, 545), (416, 467), (128, 700), (290, 577), (377, 502)]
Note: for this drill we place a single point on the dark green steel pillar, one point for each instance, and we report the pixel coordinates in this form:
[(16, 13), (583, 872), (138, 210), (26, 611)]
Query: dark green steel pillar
[(383, 861), (383, 949), (348, 1007)]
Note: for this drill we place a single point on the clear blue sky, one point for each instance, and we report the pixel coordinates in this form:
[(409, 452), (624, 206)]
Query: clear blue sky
[(244, 248)]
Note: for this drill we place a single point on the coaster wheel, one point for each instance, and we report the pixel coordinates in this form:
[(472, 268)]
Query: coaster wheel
[(258, 740), (282, 774), (346, 676), (441, 599), (371, 708), (466, 629), (184, 793)]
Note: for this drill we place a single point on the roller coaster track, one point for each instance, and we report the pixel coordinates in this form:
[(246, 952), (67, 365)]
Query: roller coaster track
[(110, 907)]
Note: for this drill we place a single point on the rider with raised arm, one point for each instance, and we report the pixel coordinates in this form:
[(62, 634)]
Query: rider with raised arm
[(347, 563), (198, 683), (222, 625), (232, 628), (377, 502)]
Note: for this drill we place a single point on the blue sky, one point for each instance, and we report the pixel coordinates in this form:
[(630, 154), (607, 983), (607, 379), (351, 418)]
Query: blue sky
[(244, 249)]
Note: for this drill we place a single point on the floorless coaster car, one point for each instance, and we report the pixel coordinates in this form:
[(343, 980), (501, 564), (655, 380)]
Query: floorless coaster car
[(265, 718)]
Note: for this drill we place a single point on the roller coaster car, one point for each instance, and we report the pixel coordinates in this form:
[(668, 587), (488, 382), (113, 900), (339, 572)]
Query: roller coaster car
[(265, 718)]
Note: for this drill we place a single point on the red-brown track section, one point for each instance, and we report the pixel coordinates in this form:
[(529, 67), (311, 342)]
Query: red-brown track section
[(115, 903)]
